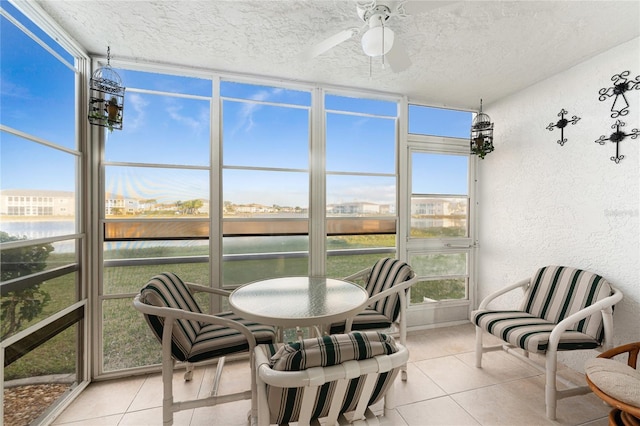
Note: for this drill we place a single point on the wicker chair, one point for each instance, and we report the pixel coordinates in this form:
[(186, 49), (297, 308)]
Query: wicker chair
[(616, 383)]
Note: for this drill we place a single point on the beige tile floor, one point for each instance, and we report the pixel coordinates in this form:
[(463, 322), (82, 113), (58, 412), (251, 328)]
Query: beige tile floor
[(444, 388)]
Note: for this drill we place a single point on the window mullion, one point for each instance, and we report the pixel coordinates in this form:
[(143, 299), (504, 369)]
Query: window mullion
[(317, 197)]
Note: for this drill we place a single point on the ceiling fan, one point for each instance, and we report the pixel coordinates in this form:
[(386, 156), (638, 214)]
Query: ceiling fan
[(378, 39)]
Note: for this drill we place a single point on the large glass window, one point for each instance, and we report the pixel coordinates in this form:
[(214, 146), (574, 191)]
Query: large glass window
[(41, 290), (157, 205), (265, 181), (361, 190)]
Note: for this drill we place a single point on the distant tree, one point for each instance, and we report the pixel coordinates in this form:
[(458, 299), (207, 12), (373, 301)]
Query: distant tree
[(191, 206), (195, 205), (22, 305)]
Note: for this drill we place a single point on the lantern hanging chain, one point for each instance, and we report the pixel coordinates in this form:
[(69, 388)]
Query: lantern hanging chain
[(108, 56)]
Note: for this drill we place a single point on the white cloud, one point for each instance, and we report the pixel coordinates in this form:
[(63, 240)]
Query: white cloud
[(245, 116), (194, 124), (139, 104)]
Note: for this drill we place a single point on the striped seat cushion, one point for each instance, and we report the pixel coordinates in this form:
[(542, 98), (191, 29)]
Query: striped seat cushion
[(215, 340), (554, 293), (192, 341), (168, 290), (385, 274), (559, 291), (369, 319), (529, 332), (285, 403)]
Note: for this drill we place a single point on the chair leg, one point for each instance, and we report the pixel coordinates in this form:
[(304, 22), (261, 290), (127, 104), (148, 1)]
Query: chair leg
[(550, 383), (253, 413), (218, 376), (478, 347), (188, 373), (167, 373), (403, 341), (167, 399)]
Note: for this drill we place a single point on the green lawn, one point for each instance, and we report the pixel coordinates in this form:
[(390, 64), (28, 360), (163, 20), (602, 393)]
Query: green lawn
[(127, 339)]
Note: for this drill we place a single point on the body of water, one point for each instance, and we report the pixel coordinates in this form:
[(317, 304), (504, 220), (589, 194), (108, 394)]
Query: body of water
[(38, 228)]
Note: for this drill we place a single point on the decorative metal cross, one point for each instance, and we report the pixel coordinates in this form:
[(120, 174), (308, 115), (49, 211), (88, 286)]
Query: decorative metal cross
[(617, 137), (561, 124), (620, 105)]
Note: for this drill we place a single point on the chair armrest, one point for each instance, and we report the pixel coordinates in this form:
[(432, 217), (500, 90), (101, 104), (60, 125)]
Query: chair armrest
[(602, 305), (520, 284), (306, 377), (358, 275), (194, 316), (198, 287)]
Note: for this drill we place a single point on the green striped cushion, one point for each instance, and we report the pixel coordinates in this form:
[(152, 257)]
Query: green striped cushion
[(330, 350), (168, 290), (285, 403), (192, 341), (385, 274), (369, 319), (214, 340), (559, 291), (528, 331)]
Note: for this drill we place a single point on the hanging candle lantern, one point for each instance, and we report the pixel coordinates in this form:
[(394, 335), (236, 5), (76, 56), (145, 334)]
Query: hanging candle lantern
[(106, 97)]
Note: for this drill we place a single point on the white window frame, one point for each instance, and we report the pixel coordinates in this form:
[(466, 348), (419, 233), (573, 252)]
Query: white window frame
[(450, 312)]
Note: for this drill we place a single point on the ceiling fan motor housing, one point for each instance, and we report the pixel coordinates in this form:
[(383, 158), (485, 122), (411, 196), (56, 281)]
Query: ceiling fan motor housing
[(365, 13)]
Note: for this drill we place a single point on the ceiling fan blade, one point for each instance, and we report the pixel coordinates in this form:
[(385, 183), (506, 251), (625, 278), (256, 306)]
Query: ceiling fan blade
[(413, 7), (397, 57), (323, 46)]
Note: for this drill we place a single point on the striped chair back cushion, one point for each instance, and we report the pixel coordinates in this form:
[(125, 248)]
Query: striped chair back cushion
[(556, 292), (168, 290), (385, 274), (285, 403)]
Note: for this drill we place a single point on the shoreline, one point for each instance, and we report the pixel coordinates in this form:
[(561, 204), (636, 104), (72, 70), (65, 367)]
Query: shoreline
[(6, 218)]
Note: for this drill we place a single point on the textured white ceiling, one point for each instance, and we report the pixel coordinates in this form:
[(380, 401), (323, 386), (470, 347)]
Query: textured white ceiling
[(460, 51)]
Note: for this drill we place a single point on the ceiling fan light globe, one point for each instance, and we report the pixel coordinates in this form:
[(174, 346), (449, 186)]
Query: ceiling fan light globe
[(372, 41)]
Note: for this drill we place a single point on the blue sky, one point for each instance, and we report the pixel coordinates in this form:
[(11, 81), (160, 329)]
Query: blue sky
[(37, 98)]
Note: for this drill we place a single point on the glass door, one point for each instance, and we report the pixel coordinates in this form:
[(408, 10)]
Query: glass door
[(440, 233)]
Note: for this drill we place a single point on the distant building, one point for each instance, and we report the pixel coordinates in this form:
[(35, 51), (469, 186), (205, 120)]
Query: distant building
[(252, 208), (117, 205), (37, 202), (429, 206), (359, 208)]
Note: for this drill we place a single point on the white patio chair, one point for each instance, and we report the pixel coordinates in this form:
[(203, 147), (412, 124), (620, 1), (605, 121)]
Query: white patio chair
[(563, 309), (335, 378), (388, 282), (191, 336)]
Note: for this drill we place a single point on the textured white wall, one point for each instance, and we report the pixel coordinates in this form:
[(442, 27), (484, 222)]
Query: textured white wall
[(541, 203)]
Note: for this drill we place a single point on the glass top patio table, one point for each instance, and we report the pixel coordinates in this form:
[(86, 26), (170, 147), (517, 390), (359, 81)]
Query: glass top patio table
[(298, 301)]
